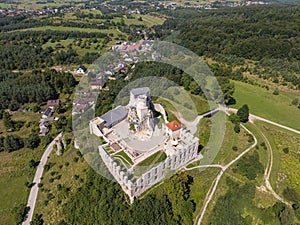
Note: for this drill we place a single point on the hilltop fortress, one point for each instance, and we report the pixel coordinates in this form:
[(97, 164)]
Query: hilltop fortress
[(140, 149)]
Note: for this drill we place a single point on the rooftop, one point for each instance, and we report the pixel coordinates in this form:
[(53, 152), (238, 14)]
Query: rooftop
[(174, 125), (140, 91), (114, 116), (53, 102)]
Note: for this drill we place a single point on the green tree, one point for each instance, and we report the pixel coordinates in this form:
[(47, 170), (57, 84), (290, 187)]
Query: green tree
[(237, 128), (234, 118), (33, 141), (13, 143), (8, 123), (243, 113), (291, 194)]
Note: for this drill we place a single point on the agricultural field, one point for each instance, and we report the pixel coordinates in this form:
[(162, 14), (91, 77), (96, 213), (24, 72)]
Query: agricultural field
[(28, 4)]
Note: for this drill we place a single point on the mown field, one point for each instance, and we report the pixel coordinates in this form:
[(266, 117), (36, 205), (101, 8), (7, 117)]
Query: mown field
[(264, 103)]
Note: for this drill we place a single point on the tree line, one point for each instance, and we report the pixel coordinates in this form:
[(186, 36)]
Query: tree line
[(107, 204), (250, 32), (36, 87), (268, 35)]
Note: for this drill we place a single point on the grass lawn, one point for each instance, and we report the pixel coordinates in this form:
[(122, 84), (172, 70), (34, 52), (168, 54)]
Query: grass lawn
[(125, 156), (92, 48), (149, 162), (154, 159), (31, 119), (29, 4), (263, 103), (169, 108), (14, 172), (231, 139), (188, 105), (202, 181), (285, 171)]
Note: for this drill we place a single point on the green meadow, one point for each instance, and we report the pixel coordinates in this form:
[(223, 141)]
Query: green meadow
[(264, 103)]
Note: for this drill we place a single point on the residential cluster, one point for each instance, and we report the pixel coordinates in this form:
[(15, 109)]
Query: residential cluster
[(143, 7), (47, 118)]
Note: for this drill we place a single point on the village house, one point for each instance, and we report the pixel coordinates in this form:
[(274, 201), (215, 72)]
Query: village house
[(81, 70), (53, 103)]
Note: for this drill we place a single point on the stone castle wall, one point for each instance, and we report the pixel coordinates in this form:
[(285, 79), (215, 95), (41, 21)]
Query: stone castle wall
[(135, 188)]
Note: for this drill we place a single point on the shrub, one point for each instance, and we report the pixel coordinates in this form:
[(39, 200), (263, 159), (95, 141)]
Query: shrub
[(237, 128), (286, 150)]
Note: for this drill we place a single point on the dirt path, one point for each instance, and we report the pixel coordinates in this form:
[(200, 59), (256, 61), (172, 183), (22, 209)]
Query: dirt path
[(268, 171)]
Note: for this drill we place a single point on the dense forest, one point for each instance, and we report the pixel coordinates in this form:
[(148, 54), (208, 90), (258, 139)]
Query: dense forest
[(268, 35), (251, 32), (101, 201), (37, 87)]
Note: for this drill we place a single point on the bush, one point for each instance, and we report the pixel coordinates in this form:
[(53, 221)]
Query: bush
[(76, 159), (291, 194), (234, 118), (18, 213), (286, 150), (237, 128), (32, 142), (33, 164), (276, 92), (59, 187), (295, 102), (37, 220), (250, 166)]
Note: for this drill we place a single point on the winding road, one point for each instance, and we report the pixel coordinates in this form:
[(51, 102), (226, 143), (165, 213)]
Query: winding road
[(211, 193), (268, 186), (36, 180)]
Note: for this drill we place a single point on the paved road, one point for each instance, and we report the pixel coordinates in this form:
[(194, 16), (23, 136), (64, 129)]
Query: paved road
[(36, 180), (193, 125)]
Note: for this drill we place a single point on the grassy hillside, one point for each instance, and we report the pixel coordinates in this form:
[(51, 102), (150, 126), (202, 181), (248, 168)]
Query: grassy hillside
[(264, 103)]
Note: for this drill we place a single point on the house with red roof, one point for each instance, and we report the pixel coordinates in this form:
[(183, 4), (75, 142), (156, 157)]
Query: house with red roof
[(173, 129), (53, 103), (135, 47)]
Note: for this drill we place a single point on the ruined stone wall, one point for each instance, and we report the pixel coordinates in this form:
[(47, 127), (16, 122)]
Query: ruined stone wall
[(155, 174)]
